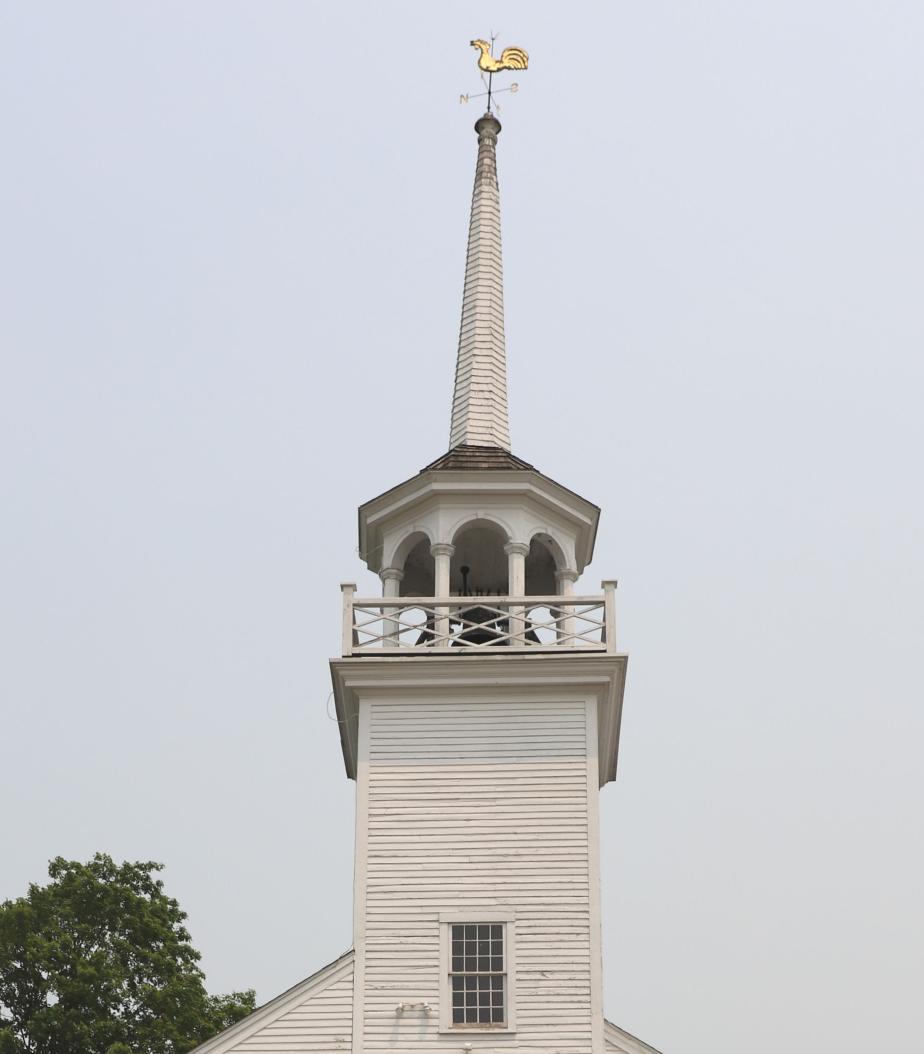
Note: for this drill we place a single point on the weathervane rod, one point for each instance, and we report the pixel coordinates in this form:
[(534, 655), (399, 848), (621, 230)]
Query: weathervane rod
[(491, 72)]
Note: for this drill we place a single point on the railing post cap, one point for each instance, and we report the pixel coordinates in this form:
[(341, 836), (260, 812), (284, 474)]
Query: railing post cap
[(348, 586), (609, 583)]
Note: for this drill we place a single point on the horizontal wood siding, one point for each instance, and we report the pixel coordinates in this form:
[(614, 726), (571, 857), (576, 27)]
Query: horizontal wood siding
[(474, 805), (322, 1022)]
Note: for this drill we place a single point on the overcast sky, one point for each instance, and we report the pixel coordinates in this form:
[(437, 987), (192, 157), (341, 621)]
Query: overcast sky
[(232, 254)]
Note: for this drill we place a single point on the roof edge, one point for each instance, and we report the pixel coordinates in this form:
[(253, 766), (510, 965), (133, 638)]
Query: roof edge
[(625, 1041), (276, 1007)]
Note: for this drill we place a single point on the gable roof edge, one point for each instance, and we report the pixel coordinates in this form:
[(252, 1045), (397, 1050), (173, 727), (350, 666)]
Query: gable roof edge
[(625, 1041), (267, 1013)]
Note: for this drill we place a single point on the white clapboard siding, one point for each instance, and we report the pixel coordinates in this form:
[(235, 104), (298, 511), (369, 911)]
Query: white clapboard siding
[(478, 804), (314, 1017)]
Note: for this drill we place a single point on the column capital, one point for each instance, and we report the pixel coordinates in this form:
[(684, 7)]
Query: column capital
[(442, 549), (566, 574), (391, 574), (517, 548)]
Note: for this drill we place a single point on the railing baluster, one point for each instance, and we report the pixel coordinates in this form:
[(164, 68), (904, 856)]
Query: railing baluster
[(516, 627), (441, 627), (390, 629)]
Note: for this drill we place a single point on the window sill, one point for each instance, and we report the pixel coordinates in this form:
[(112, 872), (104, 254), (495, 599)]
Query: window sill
[(477, 1030)]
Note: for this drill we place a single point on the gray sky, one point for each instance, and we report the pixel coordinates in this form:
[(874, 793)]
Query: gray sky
[(232, 252)]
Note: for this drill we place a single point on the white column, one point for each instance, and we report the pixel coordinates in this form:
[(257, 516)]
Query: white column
[(516, 587), (565, 579), (442, 554), (391, 587)]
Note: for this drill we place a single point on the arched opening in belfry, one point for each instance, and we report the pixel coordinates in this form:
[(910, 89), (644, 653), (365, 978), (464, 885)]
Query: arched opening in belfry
[(540, 568), (418, 569), (478, 567)]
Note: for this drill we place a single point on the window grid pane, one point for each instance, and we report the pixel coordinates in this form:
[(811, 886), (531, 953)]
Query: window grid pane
[(477, 974)]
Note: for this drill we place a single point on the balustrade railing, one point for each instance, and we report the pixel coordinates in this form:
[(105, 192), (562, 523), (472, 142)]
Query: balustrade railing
[(398, 625)]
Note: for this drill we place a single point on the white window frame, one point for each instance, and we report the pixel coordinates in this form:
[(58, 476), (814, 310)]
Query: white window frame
[(473, 917)]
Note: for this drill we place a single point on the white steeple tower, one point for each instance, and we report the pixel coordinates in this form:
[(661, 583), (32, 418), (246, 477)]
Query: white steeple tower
[(479, 702)]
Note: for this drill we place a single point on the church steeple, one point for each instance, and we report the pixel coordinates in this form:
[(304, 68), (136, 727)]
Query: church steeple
[(479, 399), (476, 892), (476, 896)]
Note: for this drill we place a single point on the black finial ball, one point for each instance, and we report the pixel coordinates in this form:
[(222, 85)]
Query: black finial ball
[(488, 125)]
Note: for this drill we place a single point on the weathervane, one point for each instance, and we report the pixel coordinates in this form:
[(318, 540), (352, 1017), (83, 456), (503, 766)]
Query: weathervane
[(510, 59)]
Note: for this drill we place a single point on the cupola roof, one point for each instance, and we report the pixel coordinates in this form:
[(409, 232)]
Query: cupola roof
[(478, 457)]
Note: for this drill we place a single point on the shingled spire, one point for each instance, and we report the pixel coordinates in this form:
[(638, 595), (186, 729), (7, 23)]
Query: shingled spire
[(479, 400)]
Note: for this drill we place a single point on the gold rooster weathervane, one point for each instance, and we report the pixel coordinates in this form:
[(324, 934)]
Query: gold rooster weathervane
[(510, 59)]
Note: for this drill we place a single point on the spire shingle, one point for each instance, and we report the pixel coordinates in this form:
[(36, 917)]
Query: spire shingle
[(479, 401)]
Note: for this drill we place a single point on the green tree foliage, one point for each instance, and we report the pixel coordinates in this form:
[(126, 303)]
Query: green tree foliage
[(98, 961)]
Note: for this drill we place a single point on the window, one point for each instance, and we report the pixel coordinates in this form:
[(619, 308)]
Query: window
[(478, 971), (477, 975)]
